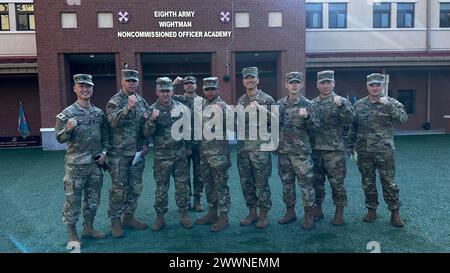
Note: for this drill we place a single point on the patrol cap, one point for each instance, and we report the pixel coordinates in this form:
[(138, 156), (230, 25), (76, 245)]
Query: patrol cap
[(164, 83), (375, 78), (191, 79), (326, 75), (211, 82), (294, 76), (129, 74), (83, 78), (250, 71)]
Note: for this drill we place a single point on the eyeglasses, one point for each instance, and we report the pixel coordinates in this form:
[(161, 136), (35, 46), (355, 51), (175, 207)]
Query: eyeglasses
[(210, 89)]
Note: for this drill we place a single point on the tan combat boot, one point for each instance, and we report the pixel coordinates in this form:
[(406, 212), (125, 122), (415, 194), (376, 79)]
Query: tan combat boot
[(288, 217), (251, 218), (184, 219), (396, 221), (263, 220), (222, 223), (318, 212), (197, 204), (72, 235), (89, 231), (370, 216), (116, 228), (159, 223), (209, 218), (338, 219), (129, 221), (308, 218)]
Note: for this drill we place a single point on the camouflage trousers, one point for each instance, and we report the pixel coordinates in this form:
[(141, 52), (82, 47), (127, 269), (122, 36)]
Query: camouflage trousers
[(300, 166), (81, 179), (126, 185), (215, 175), (196, 188), (255, 168), (330, 164), (385, 163), (162, 170)]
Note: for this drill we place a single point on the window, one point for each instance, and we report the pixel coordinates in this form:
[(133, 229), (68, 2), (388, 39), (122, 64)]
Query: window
[(69, 20), (382, 15), (407, 98), (25, 17), (242, 19), (275, 19), (445, 15), (105, 20), (337, 15), (314, 15), (4, 17), (405, 15)]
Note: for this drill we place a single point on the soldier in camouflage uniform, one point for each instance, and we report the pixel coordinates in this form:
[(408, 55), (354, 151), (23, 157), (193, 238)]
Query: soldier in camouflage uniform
[(372, 136), (254, 165), (85, 130), (193, 155), (127, 112), (169, 154), (334, 112), (215, 160), (294, 150)]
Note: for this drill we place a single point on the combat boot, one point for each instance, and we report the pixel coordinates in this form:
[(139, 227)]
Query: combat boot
[(72, 235), (370, 216), (159, 223), (318, 212), (338, 219), (197, 204), (222, 223), (209, 218), (89, 231), (289, 216), (116, 228), (263, 220), (251, 218), (184, 219), (129, 221), (308, 218), (396, 221)]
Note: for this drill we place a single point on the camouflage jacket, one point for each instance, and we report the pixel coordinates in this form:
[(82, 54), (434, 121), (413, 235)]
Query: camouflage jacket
[(189, 102), (332, 119), (164, 145), (373, 128), (294, 130), (89, 138), (127, 135), (262, 99), (215, 146)]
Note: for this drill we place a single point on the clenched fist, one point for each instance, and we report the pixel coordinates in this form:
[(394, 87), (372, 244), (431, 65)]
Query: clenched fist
[(303, 112), (132, 101), (178, 80), (155, 114), (384, 100), (337, 100), (71, 124)]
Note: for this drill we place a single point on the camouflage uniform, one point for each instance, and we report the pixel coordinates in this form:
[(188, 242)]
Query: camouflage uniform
[(215, 162), (328, 147), (127, 138), (88, 139), (197, 184), (372, 136), (169, 158), (294, 151), (254, 165)]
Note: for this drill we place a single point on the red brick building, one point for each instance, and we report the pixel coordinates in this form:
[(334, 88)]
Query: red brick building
[(99, 37)]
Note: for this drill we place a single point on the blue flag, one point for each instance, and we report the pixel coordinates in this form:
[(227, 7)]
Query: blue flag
[(22, 125)]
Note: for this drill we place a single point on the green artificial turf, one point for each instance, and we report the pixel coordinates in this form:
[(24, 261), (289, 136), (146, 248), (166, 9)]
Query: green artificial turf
[(31, 194)]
